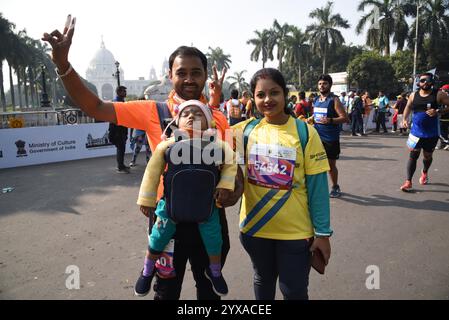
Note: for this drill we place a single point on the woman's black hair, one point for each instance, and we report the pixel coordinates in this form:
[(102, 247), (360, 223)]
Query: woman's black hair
[(277, 77)]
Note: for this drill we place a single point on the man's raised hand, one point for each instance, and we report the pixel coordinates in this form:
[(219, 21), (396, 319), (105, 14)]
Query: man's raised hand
[(215, 86), (60, 43)]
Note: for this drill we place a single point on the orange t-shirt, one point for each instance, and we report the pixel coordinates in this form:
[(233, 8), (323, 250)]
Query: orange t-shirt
[(367, 104), (143, 115)]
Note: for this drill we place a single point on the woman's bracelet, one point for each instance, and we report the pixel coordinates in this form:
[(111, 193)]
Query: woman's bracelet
[(70, 69)]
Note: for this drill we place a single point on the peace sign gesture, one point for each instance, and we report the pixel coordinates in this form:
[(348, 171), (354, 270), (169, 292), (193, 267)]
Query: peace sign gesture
[(215, 86), (60, 43)]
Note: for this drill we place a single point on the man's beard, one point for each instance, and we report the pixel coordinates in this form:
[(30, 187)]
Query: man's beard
[(426, 87), (191, 94)]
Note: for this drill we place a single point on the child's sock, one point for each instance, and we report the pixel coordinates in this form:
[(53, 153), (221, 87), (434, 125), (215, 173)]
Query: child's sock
[(215, 268), (148, 267)]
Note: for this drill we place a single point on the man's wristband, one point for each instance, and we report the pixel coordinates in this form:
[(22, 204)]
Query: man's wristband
[(70, 69), (331, 120)]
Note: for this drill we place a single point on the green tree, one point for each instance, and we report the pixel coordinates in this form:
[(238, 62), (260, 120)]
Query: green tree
[(6, 34), (262, 45), (387, 20), (279, 35), (339, 59), (324, 34), (297, 50), (402, 63), (370, 71), (433, 33), (238, 81), (218, 57)]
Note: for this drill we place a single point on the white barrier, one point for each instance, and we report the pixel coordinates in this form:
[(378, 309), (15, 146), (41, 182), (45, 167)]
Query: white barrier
[(37, 145)]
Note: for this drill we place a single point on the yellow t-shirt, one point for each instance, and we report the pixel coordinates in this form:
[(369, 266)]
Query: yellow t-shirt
[(275, 203)]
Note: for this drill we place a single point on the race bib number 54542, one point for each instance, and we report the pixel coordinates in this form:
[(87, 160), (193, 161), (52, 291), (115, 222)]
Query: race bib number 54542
[(271, 166)]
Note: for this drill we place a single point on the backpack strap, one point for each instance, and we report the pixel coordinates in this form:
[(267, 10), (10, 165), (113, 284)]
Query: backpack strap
[(303, 133), (247, 131), (163, 112)]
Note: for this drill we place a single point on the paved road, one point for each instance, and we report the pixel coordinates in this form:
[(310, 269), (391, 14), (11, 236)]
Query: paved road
[(82, 213)]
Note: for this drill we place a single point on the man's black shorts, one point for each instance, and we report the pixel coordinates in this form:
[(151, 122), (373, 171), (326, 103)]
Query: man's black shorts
[(332, 149), (427, 144)]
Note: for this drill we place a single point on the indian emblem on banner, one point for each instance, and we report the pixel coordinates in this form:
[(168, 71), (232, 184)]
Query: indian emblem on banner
[(71, 117), (21, 152)]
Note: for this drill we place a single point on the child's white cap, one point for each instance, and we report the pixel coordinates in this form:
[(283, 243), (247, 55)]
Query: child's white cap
[(205, 109)]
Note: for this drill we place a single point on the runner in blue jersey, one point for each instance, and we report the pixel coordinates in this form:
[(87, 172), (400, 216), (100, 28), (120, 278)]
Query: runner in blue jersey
[(328, 114), (424, 132)]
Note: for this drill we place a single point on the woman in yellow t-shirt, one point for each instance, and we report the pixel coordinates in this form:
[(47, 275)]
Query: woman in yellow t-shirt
[(284, 214)]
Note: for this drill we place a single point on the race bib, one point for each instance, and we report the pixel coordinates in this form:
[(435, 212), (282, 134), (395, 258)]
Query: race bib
[(271, 166), (319, 113), (412, 141), (164, 265)]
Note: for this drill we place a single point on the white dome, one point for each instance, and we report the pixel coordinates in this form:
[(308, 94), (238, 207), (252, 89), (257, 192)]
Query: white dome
[(102, 57), (102, 65)]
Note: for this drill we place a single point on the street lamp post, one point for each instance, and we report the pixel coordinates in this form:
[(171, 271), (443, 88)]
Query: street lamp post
[(45, 103), (117, 73)]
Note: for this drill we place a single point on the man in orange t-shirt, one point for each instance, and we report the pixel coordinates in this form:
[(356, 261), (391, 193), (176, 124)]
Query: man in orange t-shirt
[(188, 73)]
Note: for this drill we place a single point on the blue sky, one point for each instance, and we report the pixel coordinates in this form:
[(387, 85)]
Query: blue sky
[(141, 34)]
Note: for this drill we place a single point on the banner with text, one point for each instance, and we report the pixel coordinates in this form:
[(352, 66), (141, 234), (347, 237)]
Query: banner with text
[(38, 145)]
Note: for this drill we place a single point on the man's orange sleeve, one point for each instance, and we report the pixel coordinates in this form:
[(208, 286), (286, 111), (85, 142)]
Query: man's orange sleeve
[(141, 115), (221, 123)]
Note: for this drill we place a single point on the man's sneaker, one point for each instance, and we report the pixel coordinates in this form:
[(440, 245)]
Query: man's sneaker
[(143, 284), (123, 170), (424, 179), (407, 186), (446, 148), (335, 192), (132, 164), (218, 283)]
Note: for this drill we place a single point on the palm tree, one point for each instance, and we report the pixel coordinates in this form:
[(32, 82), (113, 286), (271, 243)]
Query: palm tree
[(387, 19), (278, 39), (23, 52), (218, 57), (262, 45), (238, 81), (297, 49), (433, 27), (324, 34), (6, 28), (13, 60), (17, 57)]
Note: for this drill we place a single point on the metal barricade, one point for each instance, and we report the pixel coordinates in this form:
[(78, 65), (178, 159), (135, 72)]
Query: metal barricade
[(43, 118)]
